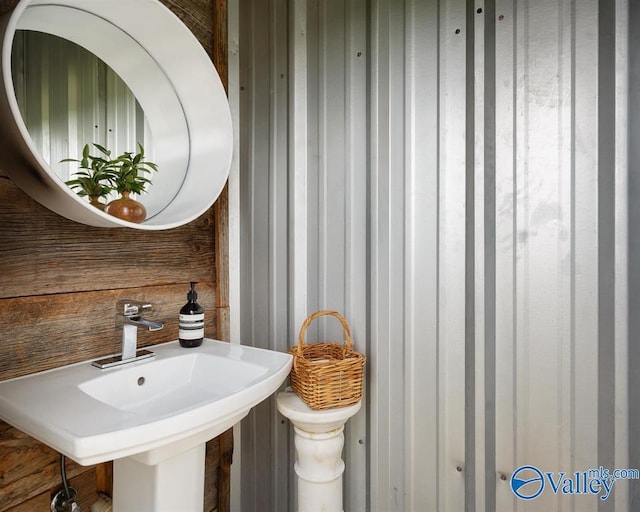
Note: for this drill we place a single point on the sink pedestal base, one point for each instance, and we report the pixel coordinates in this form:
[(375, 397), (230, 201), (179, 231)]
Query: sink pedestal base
[(318, 440), (176, 483)]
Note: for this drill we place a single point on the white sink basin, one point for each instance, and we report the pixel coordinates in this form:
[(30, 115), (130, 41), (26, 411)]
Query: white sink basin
[(169, 386), (150, 410)]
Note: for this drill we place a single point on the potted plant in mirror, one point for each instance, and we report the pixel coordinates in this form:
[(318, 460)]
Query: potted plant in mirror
[(130, 177), (94, 178)]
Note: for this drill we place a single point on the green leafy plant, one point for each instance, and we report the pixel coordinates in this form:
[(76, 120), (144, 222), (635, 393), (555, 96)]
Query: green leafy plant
[(96, 174), (130, 172)]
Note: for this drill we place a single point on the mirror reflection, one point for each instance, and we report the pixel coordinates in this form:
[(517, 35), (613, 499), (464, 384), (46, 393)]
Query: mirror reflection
[(71, 101)]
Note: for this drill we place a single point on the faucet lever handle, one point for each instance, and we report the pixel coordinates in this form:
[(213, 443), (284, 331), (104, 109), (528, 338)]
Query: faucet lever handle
[(128, 307)]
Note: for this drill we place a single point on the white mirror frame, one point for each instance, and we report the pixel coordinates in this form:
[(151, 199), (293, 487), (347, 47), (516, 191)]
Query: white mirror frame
[(202, 136)]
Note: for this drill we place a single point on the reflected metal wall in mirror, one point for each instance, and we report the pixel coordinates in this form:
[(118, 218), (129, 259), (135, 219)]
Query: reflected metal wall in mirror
[(77, 72), (68, 97)]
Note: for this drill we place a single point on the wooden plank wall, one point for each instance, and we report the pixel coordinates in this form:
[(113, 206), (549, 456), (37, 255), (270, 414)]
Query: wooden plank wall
[(59, 282)]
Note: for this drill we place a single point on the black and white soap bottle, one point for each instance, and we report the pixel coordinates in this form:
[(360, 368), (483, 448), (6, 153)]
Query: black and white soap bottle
[(191, 322)]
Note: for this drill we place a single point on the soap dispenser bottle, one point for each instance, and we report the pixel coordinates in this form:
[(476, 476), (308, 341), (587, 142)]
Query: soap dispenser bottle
[(191, 322)]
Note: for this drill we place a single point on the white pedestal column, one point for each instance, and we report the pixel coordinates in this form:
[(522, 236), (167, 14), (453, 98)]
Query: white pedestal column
[(174, 484), (318, 440)]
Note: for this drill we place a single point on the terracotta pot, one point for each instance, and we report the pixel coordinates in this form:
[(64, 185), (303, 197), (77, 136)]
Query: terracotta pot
[(126, 208)]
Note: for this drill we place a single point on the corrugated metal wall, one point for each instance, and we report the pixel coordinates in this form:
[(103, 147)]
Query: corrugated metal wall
[(451, 175)]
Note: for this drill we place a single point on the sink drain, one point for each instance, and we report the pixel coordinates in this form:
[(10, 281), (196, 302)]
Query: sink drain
[(140, 381)]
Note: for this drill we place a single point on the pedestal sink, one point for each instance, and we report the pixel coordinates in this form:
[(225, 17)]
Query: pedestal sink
[(152, 418)]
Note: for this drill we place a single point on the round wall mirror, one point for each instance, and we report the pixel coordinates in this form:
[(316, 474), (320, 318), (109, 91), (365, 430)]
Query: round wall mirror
[(78, 72)]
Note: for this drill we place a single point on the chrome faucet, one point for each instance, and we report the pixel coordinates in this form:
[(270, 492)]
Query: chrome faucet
[(130, 311), (128, 314)]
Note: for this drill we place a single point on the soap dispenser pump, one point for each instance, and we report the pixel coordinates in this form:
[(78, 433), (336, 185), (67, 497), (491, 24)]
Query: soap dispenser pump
[(191, 322)]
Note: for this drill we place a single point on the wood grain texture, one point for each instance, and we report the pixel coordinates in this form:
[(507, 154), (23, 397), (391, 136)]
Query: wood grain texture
[(84, 484), (198, 16), (221, 207), (57, 330), (221, 220), (212, 463), (43, 253), (7, 5), (19, 455), (224, 471), (223, 324), (40, 502), (104, 478), (221, 40)]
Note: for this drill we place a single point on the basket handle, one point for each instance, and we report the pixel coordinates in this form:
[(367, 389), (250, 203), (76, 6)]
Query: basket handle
[(318, 314)]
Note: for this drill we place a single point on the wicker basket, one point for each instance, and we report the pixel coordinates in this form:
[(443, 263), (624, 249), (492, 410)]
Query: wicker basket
[(327, 375)]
